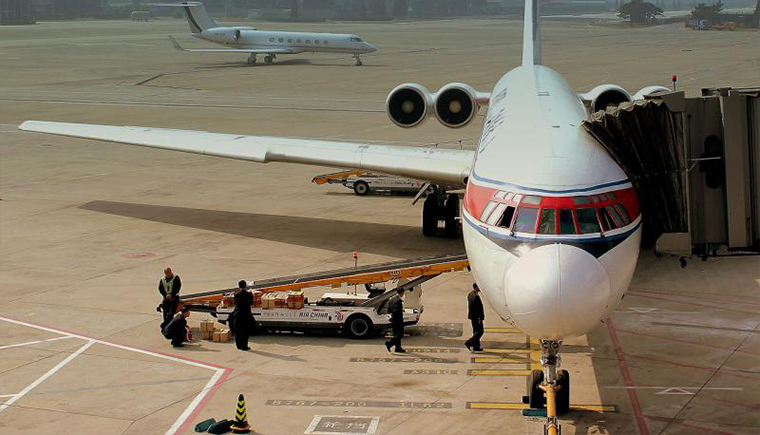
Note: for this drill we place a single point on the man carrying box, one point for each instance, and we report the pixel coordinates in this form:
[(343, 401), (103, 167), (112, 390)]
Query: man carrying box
[(244, 322)]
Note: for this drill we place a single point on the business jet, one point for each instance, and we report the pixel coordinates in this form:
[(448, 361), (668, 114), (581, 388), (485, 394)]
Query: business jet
[(249, 40), (551, 223)]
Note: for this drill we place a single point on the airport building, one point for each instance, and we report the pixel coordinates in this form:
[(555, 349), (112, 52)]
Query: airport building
[(17, 12)]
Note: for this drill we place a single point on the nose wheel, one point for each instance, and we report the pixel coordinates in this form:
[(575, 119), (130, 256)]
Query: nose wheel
[(549, 387), (358, 60)]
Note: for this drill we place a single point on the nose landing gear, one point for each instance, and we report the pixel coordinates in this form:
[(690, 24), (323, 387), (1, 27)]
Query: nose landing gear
[(358, 59), (550, 387)]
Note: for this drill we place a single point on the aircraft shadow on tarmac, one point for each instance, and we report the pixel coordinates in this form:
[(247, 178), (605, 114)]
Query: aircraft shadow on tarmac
[(289, 62), (335, 235)]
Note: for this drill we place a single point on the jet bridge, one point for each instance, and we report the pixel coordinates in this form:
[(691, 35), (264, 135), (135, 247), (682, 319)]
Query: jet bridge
[(408, 273), (695, 164)]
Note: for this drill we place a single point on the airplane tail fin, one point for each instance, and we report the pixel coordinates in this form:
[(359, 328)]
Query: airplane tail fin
[(196, 15), (532, 33)]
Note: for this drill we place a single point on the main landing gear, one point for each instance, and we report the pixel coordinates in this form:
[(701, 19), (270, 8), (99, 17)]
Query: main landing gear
[(440, 207), (549, 387), (358, 59), (269, 58), (252, 59)]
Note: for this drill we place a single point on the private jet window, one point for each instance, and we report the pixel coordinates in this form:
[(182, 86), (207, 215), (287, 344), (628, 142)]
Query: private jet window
[(548, 224), (566, 222), (487, 211), (500, 194), (308, 41), (359, 40), (496, 214), (587, 221), (581, 200), (271, 39), (324, 42), (280, 39), (608, 223), (531, 200), (506, 220), (290, 41), (316, 41), (526, 220)]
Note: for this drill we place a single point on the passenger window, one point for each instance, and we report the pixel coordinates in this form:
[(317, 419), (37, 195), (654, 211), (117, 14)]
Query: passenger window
[(566, 223), (608, 223), (496, 214), (506, 221), (587, 220), (308, 41), (487, 211), (316, 41), (531, 200), (271, 39), (526, 220), (548, 224), (290, 41), (581, 200), (280, 39)]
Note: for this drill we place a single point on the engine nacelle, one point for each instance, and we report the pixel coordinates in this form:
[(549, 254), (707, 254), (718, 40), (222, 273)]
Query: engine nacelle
[(604, 96), (649, 91), (408, 105), (456, 104)]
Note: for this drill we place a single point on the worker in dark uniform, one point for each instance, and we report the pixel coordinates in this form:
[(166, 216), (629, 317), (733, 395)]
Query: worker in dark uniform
[(169, 287), (476, 314), (396, 311), (244, 322), (176, 329)]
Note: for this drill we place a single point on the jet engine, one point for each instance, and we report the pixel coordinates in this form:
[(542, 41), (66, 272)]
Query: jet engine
[(455, 104), (408, 105), (604, 96)]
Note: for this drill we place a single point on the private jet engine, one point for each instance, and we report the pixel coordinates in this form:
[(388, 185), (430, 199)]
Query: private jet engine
[(607, 95), (455, 104)]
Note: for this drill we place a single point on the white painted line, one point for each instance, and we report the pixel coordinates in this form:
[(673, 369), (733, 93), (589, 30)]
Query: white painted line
[(7, 395), (191, 407), (343, 427), (49, 373), (34, 342)]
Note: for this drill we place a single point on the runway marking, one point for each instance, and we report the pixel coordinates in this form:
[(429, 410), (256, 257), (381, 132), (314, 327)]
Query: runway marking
[(430, 372), (44, 377), (359, 404), (497, 372), (492, 360), (196, 405), (342, 425), (519, 406), (688, 391), (503, 330), (507, 350), (404, 360), (34, 342)]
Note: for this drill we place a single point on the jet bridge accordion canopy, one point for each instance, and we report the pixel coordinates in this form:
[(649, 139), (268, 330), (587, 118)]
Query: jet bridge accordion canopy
[(646, 139)]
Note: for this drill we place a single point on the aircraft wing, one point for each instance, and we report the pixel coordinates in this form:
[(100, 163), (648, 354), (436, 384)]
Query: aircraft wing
[(437, 165), (233, 50)]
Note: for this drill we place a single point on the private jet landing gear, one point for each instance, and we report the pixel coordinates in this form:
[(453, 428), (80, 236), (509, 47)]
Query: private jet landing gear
[(358, 60), (252, 59), (439, 206), (269, 58), (550, 387)]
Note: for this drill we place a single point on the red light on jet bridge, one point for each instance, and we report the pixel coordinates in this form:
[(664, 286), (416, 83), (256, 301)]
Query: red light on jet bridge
[(674, 78)]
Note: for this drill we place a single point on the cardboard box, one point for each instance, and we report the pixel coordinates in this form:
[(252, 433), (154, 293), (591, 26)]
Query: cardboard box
[(207, 325), (295, 300), (207, 335), (222, 336), (257, 298), (281, 300)]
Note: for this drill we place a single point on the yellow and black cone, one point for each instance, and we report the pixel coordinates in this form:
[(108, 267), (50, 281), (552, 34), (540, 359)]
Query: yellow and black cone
[(241, 418)]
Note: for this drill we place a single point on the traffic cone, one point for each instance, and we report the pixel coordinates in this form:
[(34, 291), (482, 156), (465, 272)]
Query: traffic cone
[(241, 418)]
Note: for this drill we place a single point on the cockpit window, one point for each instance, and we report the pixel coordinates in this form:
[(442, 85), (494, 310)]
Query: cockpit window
[(355, 39), (566, 222), (526, 220), (506, 220), (531, 200), (587, 221), (581, 200), (548, 223), (487, 211), (496, 215)]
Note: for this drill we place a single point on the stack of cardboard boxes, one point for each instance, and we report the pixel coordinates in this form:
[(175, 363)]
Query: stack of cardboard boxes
[(293, 300), (209, 333)]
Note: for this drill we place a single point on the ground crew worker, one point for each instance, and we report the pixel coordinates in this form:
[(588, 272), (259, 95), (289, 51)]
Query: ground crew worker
[(244, 322), (396, 311), (176, 329), (169, 287), (476, 314)]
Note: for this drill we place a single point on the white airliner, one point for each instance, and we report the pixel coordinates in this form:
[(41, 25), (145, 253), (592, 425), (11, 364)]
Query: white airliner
[(268, 43), (551, 223)]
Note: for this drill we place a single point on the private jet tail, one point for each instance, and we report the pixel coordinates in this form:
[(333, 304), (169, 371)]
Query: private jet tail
[(532, 33), (196, 15)]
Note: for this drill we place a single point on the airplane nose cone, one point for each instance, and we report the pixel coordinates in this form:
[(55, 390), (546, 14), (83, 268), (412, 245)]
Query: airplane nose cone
[(370, 48), (557, 291)]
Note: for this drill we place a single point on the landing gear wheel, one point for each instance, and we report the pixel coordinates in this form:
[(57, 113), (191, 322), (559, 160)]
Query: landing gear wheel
[(361, 188), (359, 327), (451, 212), (563, 395), (535, 394), (358, 60), (252, 59), (268, 58), (430, 216)]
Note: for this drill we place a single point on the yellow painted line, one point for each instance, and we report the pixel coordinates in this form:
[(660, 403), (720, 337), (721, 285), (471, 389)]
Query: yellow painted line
[(507, 350), (520, 406), (497, 372), (494, 360), (503, 330)]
